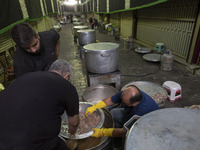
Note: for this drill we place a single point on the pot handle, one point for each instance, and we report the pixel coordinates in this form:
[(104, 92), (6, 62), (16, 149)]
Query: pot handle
[(133, 118), (105, 54)]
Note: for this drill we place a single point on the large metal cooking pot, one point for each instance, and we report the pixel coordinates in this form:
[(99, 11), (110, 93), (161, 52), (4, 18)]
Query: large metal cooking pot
[(166, 129), (78, 23), (76, 28), (76, 20), (97, 93), (101, 57), (101, 143), (86, 36), (82, 108)]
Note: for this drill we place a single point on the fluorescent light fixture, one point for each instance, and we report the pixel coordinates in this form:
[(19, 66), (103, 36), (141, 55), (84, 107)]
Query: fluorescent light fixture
[(70, 2)]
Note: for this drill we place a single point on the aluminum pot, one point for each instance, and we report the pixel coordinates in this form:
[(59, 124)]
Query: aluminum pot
[(97, 93), (76, 20), (76, 28), (101, 57), (78, 23), (86, 36), (101, 143)]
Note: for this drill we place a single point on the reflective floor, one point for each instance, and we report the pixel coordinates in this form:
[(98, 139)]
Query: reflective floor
[(133, 68)]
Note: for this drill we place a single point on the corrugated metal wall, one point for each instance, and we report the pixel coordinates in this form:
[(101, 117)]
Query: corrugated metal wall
[(171, 23), (126, 27), (116, 19), (6, 42), (43, 24), (40, 25)]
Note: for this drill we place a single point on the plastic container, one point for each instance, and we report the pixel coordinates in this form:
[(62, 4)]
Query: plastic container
[(167, 60), (160, 47)]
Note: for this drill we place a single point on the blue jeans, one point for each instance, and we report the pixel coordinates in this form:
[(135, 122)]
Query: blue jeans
[(118, 114)]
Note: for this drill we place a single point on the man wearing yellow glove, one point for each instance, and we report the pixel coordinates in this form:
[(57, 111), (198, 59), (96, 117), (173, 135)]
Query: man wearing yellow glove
[(134, 101), (110, 132), (99, 105), (1, 87)]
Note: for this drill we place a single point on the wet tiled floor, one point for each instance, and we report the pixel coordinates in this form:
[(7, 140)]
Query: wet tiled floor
[(133, 68)]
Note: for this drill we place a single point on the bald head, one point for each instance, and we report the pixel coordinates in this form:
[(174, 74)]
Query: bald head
[(131, 96)]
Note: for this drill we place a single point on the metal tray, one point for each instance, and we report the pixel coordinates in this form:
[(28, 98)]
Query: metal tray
[(82, 108), (143, 50), (152, 57), (149, 88)]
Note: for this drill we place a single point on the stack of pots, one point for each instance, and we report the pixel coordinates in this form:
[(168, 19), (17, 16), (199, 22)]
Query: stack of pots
[(101, 57), (85, 37)]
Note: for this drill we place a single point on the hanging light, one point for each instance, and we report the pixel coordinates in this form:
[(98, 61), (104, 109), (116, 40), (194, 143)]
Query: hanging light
[(70, 2)]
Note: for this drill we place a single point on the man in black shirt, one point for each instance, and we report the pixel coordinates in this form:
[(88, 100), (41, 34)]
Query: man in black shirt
[(31, 109), (35, 51)]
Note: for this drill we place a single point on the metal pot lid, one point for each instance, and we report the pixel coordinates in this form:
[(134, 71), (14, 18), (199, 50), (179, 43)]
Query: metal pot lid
[(166, 129), (101, 46), (152, 57), (76, 19), (82, 108), (78, 23), (86, 30), (80, 27), (143, 50)]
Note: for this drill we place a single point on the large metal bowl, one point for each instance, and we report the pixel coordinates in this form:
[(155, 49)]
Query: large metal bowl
[(97, 93), (101, 143), (82, 108)]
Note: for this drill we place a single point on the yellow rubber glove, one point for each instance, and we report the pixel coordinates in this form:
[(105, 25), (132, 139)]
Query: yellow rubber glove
[(93, 108), (102, 132), (1, 87)]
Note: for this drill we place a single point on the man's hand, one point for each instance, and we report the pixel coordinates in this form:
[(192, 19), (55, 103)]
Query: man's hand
[(90, 110), (93, 108), (102, 132), (73, 123), (1, 87)]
